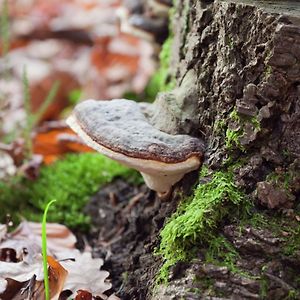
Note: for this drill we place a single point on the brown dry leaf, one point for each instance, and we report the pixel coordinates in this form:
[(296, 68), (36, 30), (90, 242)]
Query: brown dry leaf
[(50, 144), (19, 250), (33, 289), (11, 289), (94, 279), (57, 276), (59, 237), (83, 295), (21, 271), (23, 264), (40, 89)]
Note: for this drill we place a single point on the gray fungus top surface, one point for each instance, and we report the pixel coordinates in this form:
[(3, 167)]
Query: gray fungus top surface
[(121, 126)]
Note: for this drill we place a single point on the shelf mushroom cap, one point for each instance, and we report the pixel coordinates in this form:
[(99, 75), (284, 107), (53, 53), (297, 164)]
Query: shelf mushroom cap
[(119, 130)]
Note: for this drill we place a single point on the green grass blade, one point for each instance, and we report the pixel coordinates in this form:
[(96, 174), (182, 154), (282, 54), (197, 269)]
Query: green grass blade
[(5, 28), (5, 37), (49, 99), (44, 250), (27, 105)]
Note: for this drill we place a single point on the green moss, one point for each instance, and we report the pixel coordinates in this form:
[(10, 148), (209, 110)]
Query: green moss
[(233, 139), (286, 228), (70, 181), (263, 287), (221, 252), (206, 285), (281, 180), (197, 218), (219, 126), (268, 71), (162, 81), (293, 294), (232, 136)]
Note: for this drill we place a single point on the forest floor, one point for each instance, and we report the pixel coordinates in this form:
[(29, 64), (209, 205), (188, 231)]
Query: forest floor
[(60, 53)]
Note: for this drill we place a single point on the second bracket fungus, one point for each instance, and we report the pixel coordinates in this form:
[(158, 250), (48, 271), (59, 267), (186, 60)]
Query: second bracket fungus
[(119, 130)]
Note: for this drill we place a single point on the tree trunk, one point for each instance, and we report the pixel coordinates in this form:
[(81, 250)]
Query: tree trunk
[(236, 69)]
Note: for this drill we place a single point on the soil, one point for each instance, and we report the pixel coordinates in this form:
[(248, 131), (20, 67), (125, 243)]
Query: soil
[(126, 220)]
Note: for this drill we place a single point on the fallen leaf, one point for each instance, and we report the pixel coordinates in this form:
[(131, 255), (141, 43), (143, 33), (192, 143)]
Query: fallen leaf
[(94, 279), (33, 289), (8, 255), (3, 232), (14, 290), (25, 250), (83, 295), (59, 237), (57, 276), (22, 271), (55, 142)]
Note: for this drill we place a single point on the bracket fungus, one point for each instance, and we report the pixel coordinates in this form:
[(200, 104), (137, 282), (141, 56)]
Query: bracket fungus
[(119, 130)]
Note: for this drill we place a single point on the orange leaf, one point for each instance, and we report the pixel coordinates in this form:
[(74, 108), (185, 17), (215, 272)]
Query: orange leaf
[(57, 276)]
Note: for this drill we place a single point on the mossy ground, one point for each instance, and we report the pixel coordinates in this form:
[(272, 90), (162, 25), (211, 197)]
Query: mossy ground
[(197, 218), (71, 181)]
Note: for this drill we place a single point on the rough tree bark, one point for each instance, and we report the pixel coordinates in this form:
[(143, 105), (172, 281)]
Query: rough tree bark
[(237, 71)]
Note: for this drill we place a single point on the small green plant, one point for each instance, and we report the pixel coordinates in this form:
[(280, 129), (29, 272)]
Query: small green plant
[(44, 250), (36, 117), (5, 37), (5, 40), (33, 118), (219, 125), (28, 125), (74, 96)]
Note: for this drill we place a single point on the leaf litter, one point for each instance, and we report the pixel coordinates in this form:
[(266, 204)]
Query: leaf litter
[(71, 272)]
